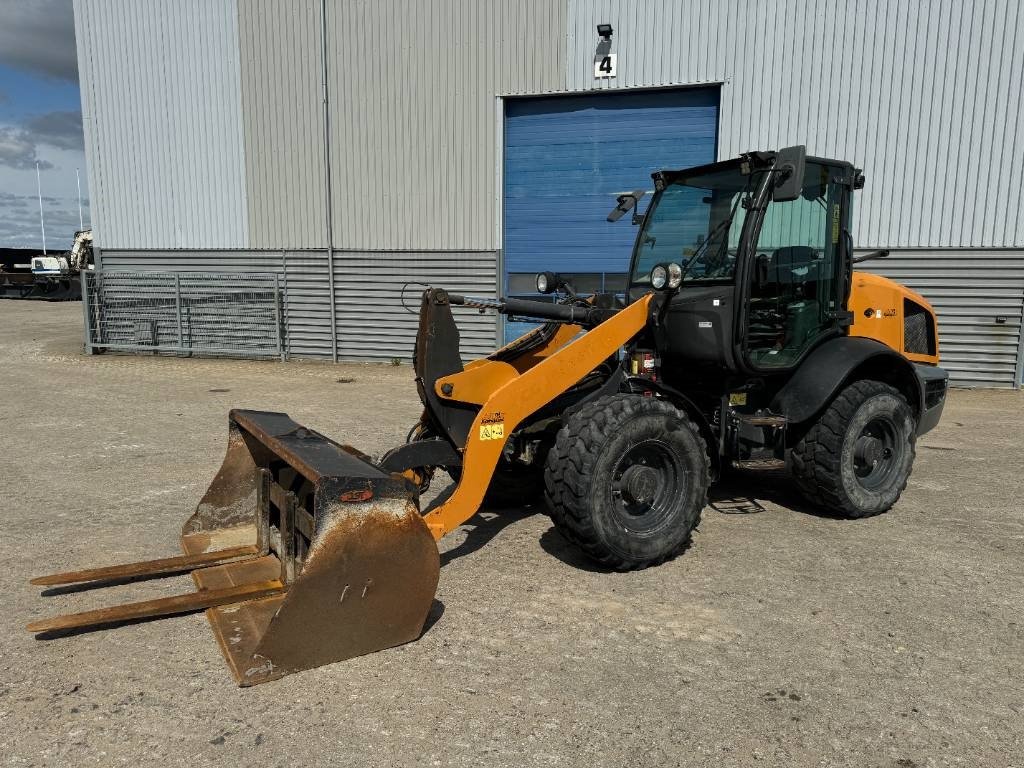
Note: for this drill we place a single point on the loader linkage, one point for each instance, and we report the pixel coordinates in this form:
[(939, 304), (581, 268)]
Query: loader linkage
[(304, 552)]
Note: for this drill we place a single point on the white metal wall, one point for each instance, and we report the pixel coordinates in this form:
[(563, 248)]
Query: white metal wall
[(282, 111), (412, 89), (925, 96), (413, 115), (163, 123)]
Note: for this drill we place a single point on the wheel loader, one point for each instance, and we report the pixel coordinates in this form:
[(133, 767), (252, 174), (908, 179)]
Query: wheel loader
[(744, 337)]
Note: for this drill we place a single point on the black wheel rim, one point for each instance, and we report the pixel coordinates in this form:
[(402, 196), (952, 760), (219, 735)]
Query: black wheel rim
[(878, 453), (647, 482)]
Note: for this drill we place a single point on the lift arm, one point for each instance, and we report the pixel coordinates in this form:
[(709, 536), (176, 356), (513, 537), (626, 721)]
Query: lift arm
[(519, 394)]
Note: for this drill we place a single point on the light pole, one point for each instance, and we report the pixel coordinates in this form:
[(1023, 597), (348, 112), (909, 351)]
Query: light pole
[(78, 181), (39, 192)]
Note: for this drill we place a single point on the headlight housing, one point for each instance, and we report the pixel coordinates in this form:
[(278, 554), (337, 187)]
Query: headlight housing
[(547, 282), (659, 276)]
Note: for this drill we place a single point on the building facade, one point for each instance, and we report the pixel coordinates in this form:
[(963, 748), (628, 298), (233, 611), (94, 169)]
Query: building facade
[(469, 143)]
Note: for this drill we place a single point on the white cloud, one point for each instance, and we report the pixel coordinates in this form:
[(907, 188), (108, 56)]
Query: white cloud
[(18, 150)]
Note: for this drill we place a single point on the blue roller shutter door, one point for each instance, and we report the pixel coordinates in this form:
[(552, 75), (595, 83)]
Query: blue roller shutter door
[(566, 158)]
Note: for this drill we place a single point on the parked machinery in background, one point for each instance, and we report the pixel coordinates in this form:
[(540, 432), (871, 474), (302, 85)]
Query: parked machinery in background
[(50, 278)]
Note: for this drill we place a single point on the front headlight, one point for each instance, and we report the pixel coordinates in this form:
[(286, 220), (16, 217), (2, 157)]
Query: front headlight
[(675, 275), (547, 282), (659, 277)]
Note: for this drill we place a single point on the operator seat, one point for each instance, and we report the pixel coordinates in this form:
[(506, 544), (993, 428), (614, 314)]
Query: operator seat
[(788, 305)]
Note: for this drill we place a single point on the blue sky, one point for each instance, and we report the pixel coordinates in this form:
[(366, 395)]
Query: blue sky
[(40, 120)]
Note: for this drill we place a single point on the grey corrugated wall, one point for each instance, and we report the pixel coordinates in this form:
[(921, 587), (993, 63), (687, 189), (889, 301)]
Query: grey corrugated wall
[(305, 298), (925, 96), (163, 117), (374, 325), (414, 120), (283, 122), (979, 298), (414, 150)]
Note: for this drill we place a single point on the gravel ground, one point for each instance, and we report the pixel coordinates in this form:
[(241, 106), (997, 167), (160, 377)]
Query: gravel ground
[(781, 638)]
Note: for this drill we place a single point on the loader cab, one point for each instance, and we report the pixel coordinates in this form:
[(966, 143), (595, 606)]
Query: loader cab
[(763, 264)]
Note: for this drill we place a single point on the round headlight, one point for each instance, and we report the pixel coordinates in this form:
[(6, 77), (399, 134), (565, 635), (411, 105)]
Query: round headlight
[(675, 275), (659, 277), (547, 282)]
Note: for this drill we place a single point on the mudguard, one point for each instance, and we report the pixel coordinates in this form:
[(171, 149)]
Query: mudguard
[(825, 370)]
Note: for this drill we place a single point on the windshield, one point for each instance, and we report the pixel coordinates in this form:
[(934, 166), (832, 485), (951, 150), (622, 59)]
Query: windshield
[(695, 222)]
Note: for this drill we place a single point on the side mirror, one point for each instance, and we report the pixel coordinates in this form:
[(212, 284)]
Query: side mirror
[(789, 173), (626, 203)]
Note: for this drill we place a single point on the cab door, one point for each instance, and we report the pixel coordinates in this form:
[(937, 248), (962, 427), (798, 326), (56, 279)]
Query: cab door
[(795, 287)]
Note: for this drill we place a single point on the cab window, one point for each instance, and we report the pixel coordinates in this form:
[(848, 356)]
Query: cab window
[(794, 289)]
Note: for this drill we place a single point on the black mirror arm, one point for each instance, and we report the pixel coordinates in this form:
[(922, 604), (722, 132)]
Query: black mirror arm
[(626, 203), (881, 253)]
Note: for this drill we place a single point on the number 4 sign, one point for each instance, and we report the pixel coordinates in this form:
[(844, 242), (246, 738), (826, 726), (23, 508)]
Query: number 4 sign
[(604, 66)]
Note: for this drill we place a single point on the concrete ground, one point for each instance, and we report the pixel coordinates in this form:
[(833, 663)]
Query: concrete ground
[(781, 638)]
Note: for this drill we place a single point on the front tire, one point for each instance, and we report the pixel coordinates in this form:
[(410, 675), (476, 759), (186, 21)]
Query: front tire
[(627, 479), (856, 459)]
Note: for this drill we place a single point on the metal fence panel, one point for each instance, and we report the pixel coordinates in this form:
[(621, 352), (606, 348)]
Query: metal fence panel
[(194, 313)]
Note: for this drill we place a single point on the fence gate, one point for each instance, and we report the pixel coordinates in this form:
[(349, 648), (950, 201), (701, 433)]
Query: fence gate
[(198, 313)]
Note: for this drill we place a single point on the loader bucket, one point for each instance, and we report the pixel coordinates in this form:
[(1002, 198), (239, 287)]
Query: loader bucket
[(303, 552)]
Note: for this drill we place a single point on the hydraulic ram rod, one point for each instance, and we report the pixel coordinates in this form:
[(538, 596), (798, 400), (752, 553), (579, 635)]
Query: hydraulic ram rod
[(566, 313)]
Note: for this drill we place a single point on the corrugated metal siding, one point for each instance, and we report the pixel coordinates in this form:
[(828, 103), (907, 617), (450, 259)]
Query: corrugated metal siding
[(414, 113), (307, 304), (283, 122), (193, 261), (161, 101), (924, 96), (92, 135), (304, 285), (373, 324), (969, 290)]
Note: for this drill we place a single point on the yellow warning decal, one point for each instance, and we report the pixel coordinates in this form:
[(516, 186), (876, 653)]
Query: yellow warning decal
[(738, 398), (492, 431)]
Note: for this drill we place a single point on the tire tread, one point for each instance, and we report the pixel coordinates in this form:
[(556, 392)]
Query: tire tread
[(816, 459), (571, 463)]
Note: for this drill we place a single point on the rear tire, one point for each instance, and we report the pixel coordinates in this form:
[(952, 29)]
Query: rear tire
[(627, 479), (856, 459)]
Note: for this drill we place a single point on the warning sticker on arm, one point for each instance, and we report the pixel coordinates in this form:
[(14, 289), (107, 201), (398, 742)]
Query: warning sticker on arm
[(492, 431)]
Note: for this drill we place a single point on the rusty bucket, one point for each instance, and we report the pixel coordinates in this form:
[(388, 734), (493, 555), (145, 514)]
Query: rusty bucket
[(303, 553)]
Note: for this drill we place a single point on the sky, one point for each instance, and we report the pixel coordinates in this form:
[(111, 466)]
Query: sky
[(40, 120)]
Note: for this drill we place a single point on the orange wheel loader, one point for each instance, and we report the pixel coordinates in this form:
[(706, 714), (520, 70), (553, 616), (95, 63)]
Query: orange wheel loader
[(744, 337)]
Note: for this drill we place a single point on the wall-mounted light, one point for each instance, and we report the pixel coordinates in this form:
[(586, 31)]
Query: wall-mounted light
[(605, 31)]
